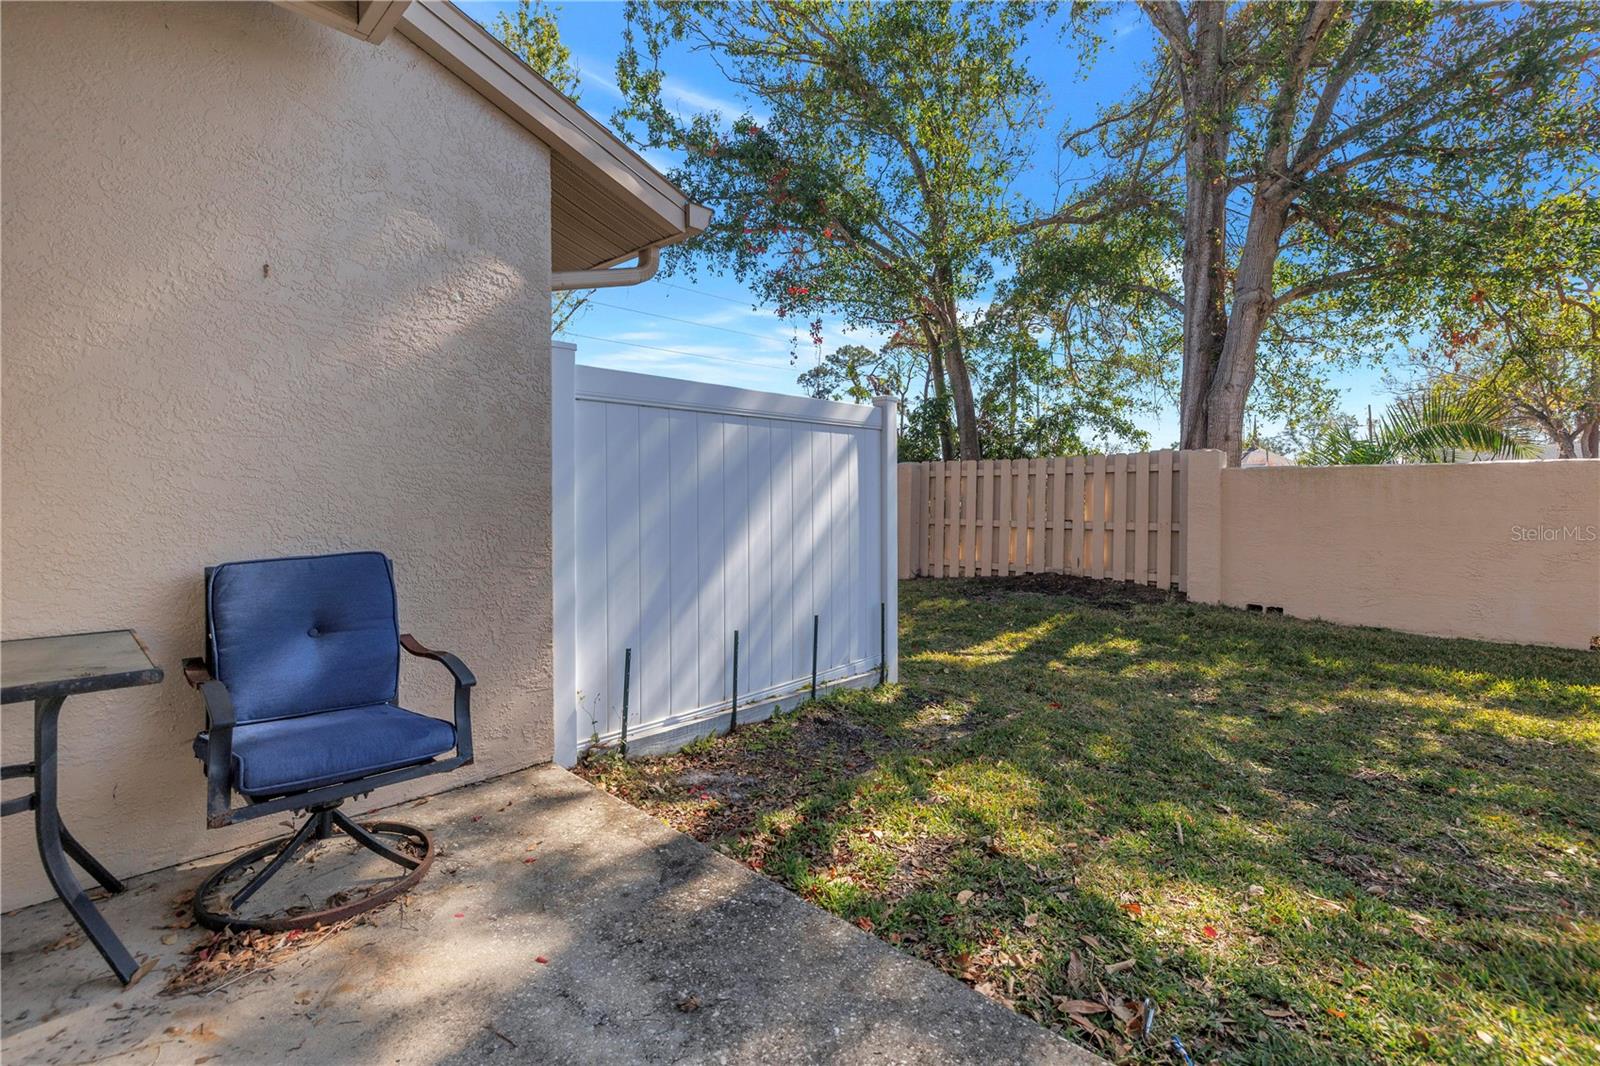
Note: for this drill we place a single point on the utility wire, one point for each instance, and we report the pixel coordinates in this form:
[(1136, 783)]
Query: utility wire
[(702, 292), (685, 321), (674, 351)]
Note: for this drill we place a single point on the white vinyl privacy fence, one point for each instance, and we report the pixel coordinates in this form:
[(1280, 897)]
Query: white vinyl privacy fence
[(688, 513)]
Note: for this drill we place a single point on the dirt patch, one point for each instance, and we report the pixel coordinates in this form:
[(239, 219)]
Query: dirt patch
[(920, 862), (718, 787), (1097, 593)]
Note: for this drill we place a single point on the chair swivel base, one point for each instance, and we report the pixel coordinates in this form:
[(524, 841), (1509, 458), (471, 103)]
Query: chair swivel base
[(320, 825)]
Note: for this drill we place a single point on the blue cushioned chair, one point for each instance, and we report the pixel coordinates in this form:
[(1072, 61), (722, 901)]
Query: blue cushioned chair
[(300, 682)]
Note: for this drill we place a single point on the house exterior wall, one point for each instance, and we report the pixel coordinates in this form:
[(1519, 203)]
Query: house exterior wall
[(268, 290), (1506, 551)]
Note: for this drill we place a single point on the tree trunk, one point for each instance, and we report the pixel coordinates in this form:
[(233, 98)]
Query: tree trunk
[(947, 446), (944, 330), (1205, 253), (1253, 295), (961, 393)]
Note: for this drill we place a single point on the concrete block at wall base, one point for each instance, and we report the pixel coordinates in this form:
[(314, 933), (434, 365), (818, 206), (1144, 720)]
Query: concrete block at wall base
[(667, 741)]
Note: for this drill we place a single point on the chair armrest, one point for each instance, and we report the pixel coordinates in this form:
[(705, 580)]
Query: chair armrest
[(457, 668), (219, 741), (465, 679), (195, 672)]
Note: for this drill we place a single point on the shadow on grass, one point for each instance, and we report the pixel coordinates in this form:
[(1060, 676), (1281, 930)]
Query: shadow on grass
[(1315, 843)]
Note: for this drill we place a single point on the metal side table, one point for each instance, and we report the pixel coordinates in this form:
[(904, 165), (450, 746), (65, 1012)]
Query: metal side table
[(47, 670)]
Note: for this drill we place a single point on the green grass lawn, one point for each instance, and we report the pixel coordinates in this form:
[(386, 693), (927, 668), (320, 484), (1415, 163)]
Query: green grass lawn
[(1301, 842)]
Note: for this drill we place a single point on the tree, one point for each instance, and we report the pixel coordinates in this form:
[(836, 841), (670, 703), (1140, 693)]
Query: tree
[(532, 35), (1531, 340), (1537, 353), (1332, 158), (1431, 428), (856, 373), (871, 177)]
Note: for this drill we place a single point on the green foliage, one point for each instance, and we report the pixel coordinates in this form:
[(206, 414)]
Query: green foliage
[(1335, 171), (871, 177), (531, 33), (1431, 428), (1529, 334), (857, 374)]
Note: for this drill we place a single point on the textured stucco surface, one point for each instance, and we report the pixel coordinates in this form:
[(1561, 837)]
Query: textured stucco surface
[(1496, 551), (167, 403)]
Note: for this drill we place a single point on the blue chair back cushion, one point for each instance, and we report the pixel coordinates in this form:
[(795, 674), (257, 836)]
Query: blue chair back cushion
[(297, 636)]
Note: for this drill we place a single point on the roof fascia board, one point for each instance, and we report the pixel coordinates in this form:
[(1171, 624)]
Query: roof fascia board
[(472, 54), (378, 18), (375, 19)]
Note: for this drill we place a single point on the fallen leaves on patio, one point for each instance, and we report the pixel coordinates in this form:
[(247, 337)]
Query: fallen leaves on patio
[(223, 958)]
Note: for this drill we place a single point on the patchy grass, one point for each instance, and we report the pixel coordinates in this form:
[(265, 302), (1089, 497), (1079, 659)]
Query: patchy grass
[(1302, 842)]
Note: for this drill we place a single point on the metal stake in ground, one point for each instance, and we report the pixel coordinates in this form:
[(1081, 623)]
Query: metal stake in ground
[(814, 625), (733, 708), (883, 643), (627, 676)]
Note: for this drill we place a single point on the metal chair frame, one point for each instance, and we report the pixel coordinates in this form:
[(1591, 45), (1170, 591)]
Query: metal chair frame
[(322, 804)]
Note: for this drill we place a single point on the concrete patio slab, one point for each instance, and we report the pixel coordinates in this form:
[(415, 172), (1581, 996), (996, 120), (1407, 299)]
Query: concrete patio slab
[(656, 949)]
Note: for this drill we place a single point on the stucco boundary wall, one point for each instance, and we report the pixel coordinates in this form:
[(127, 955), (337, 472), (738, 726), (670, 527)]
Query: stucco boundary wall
[(1501, 551)]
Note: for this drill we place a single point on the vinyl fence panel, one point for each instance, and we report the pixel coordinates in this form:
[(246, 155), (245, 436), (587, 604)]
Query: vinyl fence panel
[(697, 510)]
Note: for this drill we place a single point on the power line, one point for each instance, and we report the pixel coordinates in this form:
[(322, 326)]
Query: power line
[(702, 292), (673, 351), (684, 321)]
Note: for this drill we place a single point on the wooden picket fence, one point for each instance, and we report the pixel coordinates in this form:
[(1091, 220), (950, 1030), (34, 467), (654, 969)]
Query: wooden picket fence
[(1099, 516)]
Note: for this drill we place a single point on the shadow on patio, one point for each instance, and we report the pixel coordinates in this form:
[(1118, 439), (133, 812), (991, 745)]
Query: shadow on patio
[(621, 941)]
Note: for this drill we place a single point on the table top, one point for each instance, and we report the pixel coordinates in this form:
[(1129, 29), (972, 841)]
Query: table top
[(41, 667)]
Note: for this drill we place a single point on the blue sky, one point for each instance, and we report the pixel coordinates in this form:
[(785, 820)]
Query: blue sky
[(708, 328)]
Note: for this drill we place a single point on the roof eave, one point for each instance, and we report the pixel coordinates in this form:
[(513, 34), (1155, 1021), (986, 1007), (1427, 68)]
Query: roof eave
[(473, 54)]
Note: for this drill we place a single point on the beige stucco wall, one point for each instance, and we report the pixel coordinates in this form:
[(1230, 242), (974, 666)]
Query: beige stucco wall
[(1496, 551), (167, 402)]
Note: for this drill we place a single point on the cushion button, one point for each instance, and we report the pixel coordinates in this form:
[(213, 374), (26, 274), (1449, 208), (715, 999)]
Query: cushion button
[(313, 632)]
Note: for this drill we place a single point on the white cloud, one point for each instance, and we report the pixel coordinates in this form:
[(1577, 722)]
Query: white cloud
[(682, 97)]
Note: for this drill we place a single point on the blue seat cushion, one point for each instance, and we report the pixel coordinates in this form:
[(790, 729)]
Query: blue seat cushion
[(304, 634), (331, 747)]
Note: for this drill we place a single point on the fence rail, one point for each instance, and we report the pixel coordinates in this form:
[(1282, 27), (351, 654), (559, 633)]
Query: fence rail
[(1100, 516)]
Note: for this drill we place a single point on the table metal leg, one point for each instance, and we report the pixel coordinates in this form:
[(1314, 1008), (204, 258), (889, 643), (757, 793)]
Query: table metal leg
[(52, 835), (89, 863)]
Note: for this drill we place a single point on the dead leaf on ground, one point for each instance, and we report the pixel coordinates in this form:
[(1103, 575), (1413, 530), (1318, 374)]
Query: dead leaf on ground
[(963, 896), (223, 957), (1076, 971), (1099, 1034), (1079, 1006), (1118, 967)]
